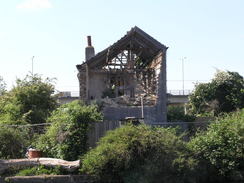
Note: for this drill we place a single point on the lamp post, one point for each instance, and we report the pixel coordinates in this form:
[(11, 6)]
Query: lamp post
[(183, 76), (32, 66)]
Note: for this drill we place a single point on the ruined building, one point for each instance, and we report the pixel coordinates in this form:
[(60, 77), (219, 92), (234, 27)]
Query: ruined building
[(128, 78)]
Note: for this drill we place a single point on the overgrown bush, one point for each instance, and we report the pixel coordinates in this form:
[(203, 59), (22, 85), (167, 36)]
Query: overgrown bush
[(221, 148), (66, 138), (177, 113), (2, 86), (40, 170), (224, 93), (30, 101), (138, 154), (13, 143)]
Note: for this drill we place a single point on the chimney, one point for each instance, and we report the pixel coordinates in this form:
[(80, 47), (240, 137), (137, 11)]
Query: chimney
[(90, 51)]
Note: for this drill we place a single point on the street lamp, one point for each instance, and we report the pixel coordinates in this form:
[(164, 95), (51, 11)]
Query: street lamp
[(32, 65), (183, 76)]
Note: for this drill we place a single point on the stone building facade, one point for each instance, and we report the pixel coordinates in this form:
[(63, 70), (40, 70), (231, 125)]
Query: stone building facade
[(128, 78)]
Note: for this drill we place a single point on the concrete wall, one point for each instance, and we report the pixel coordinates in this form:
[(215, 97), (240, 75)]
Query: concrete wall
[(97, 84), (161, 105), (48, 179), (178, 99), (82, 82), (120, 113)]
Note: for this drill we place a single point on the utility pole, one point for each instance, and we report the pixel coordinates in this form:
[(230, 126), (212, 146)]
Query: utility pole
[(183, 76), (32, 73), (142, 109)]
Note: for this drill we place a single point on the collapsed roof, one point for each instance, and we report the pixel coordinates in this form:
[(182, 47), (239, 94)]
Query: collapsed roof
[(142, 44)]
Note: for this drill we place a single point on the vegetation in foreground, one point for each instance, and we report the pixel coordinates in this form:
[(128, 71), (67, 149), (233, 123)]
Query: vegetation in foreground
[(33, 171), (13, 142), (137, 154), (145, 154), (30, 101), (66, 138), (220, 150), (131, 153)]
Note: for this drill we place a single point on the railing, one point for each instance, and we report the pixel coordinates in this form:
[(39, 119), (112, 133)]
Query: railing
[(172, 92), (67, 94), (179, 92), (75, 94)]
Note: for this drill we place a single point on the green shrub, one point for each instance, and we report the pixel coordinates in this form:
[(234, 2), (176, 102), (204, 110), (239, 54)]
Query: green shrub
[(30, 101), (2, 86), (221, 148), (224, 93), (137, 154), (13, 143), (40, 170), (36, 170), (66, 138), (177, 113)]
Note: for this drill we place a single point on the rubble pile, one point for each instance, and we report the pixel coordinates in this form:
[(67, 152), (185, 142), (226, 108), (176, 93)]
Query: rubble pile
[(125, 100)]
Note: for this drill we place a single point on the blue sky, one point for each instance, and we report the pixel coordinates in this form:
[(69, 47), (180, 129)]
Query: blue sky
[(210, 33)]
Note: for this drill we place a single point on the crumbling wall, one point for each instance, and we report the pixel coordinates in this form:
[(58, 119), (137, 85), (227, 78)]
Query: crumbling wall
[(147, 81), (82, 82), (97, 84), (156, 112), (161, 104), (156, 65)]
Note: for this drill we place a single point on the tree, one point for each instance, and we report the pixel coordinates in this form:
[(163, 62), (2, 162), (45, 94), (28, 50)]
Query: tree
[(30, 101), (13, 143), (225, 93), (137, 154), (177, 113), (66, 138), (221, 146), (2, 86)]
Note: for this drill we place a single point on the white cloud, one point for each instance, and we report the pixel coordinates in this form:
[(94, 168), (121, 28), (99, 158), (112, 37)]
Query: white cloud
[(34, 4)]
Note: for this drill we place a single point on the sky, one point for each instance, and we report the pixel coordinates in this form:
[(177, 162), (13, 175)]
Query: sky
[(209, 34)]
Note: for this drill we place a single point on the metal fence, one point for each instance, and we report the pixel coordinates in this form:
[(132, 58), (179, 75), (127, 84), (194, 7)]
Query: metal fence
[(31, 129), (99, 129)]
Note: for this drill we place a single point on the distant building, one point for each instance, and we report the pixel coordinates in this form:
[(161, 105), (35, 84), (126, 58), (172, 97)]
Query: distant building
[(65, 97)]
